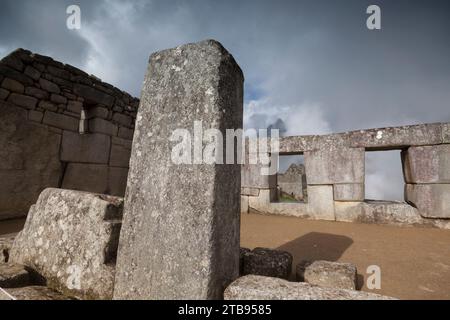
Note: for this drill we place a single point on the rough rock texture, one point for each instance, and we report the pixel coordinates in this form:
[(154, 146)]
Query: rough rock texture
[(13, 276), (328, 274), (180, 238), (267, 262), (253, 287), (36, 293), (242, 253), (432, 200), (5, 247), (427, 164), (71, 239), (349, 192)]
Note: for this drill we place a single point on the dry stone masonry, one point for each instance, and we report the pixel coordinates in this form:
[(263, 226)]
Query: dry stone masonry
[(180, 236), (59, 127), (335, 176)]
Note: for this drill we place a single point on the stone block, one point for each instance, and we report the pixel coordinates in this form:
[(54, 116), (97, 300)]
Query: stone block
[(126, 133), (328, 274), (321, 202), (61, 121), (13, 276), (397, 137), (103, 126), (22, 100), (47, 105), (252, 287), (70, 238), (97, 112), (244, 204), (122, 119), (93, 95), (13, 85), (446, 133), (86, 177), (242, 253), (203, 200), (36, 293), (268, 262), (85, 148), (427, 164), (251, 177), (13, 62), (37, 93), (3, 94), (254, 192), (5, 247), (432, 200), (120, 156), (349, 192), (122, 142), (35, 116), (58, 72), (32, 73), (58, 99), (49, 86), (16, 75)]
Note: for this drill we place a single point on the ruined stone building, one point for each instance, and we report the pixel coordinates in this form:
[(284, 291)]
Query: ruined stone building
[(292, 183), (59, 127)]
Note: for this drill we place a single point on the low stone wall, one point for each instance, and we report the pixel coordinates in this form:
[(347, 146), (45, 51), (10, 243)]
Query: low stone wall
[(335, 175), (59, 127)]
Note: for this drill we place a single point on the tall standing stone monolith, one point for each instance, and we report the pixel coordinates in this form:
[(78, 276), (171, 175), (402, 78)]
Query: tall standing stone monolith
[(180, 234)]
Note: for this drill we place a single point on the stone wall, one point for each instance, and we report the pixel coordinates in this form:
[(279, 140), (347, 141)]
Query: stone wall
[(59, 127), (335, 175)]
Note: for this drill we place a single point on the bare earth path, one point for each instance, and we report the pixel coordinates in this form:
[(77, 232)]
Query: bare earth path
[(414, 262)]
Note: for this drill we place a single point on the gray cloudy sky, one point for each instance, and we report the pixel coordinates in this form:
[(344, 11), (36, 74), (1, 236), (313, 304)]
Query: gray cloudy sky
[(313, 64)]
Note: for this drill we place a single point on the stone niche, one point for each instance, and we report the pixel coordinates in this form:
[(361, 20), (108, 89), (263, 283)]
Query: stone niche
[(59, 127)]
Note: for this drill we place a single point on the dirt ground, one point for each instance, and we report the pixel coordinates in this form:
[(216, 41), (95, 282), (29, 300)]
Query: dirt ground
[(414, 262)]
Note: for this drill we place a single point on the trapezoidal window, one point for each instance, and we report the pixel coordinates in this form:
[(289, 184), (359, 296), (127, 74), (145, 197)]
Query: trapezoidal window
[(291, 179), (384, 176)]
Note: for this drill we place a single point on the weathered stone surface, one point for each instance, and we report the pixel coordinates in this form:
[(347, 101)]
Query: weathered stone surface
[(71, 238), (5, 247), (397, 137), (58, 99), (13, 276), (16, 75), (36, 116), (193, 82), (3, 94), (446, 133), (36, 293), (244, 204), (102, 126), (97, 112), (349, 192), (117, 181), (32, 73), (22, 100), (432, 200), (49, 86), (254, 192), (321, 165), (61, 121), (328, 274), (87, 177), (13, 85), (75, 106), (35, 92), (85, 148), (47, 105), (242, 253), (126, 133), (253, 287), (92, 95), (122, 119), (427, 164), (251, 177), (30, 161), (268, 262), (320, 202), (120, 156), (381, 212)]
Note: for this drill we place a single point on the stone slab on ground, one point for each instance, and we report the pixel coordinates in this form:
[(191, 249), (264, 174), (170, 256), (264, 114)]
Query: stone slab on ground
[(267, 262), (180, 238), (13, 276), (252, 287), (71, 238), (327, 274), (36, 293)]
